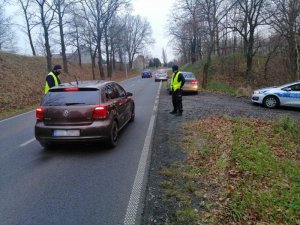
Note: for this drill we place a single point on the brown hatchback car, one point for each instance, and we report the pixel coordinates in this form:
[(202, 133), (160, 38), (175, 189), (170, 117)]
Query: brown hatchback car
[(89, 111)]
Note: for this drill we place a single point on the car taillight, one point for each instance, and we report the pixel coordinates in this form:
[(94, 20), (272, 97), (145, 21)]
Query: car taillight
[(39, 113), (100, 112), (194, 82)]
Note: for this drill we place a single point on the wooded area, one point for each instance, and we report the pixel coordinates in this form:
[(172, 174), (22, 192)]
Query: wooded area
[(106, 27), (269, 28), (198, 30)]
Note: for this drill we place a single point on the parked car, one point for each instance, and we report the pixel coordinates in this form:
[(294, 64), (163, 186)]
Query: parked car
[(146, 74), (161, 75), (284, 95), (88, 112), (190, 85)]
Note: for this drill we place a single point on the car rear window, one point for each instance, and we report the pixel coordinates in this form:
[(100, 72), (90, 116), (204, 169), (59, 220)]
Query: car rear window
[(59, 97), (188, 75)]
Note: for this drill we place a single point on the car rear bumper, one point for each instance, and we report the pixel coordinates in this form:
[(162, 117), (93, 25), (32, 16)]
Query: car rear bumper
[(190, 88), (161, 79), (97, 131)]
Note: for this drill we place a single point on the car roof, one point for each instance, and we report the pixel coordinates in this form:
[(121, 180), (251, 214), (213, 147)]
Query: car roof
[(84, 84), (288, 84)]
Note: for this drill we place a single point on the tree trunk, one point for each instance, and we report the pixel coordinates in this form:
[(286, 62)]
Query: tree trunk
[(292, 56), (100, 63), (297, 63), (193, 50), (29, 35), (108, 62), (62, 41), (205, 75), (93, 60), (78, 50), (48, 51)]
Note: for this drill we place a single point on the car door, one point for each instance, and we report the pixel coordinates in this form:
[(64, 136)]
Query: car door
[(124, 103), (294, 95), (120, 103), (112, 98)]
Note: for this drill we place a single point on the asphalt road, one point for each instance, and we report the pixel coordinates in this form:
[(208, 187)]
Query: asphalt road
[(76, 185)]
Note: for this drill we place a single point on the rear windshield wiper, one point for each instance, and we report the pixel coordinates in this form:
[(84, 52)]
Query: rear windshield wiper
[(75, 103)]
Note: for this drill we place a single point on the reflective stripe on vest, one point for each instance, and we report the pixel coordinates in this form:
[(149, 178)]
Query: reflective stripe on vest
[(55, 82), (174, 85)]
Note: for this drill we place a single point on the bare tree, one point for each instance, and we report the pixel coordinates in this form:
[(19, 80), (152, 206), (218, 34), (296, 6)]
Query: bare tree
[(60, 7), (185, 28), (246, 25), (46, 15), (208, 9), (137, 36), (76, 31), (109, 11), (6, 32), (25, 6), (285, 20)]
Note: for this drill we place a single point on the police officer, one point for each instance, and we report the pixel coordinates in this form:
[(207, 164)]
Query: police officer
[(176, 84), (52, 78)]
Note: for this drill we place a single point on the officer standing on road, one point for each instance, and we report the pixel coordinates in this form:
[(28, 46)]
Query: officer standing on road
[(176, 84), (52, 78)]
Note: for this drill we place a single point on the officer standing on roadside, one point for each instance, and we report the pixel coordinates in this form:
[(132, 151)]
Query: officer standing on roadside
[(52, 78), (176, 84)]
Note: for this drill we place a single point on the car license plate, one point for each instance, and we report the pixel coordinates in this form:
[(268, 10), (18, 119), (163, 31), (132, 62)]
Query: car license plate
[(66, 133)]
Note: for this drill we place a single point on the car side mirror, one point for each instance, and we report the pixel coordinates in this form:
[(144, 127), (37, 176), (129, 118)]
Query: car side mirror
[(128, 94)]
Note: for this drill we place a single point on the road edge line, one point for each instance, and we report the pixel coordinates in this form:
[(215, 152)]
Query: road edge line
[(134, 201)]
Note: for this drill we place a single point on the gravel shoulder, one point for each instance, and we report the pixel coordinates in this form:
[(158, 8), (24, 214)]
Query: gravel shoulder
[(168, 132)]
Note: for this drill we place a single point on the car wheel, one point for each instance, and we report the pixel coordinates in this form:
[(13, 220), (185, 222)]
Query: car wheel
[(46, 145), (132, 114), (271, 102), (113, 135)]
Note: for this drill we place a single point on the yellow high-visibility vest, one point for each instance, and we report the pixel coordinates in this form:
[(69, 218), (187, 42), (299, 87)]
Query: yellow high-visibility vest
[(174, 85), (55, 82)]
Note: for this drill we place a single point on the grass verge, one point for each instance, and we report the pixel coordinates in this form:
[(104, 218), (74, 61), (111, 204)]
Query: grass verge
[(237, 171)]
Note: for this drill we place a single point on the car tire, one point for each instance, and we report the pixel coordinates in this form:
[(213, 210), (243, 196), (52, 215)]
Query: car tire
[(113, 135), (46, 145), (132, 114), (271, 102)]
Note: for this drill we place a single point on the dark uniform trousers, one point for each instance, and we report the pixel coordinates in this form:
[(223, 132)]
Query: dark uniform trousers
[(177, 100)]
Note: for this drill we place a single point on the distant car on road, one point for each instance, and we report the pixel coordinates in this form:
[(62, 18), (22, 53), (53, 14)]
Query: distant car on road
[(161, 75), (146, 74), (88, 112), (190, 85), (284, 95)]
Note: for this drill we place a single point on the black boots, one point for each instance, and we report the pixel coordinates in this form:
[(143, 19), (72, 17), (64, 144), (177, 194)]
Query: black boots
[(176, 113)]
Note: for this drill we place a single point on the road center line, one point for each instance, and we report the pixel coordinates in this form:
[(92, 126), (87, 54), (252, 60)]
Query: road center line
[(27, 142), (130, 217)]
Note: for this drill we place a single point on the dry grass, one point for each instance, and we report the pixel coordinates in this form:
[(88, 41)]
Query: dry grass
[(23, 78)]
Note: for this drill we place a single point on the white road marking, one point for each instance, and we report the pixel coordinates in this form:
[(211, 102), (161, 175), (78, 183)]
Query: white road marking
[(27, 142), (16, 116), (130, 217)]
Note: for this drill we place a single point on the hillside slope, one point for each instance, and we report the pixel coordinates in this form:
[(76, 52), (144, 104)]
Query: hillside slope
[(22, 80)]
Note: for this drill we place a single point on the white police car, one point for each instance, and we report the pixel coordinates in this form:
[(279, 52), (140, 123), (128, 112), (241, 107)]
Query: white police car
[(285, 95)]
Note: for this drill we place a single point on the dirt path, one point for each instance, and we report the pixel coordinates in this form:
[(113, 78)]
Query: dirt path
[(168, 131)]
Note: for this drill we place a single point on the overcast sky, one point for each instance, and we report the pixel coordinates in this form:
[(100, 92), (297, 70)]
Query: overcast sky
[(155, 11)]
